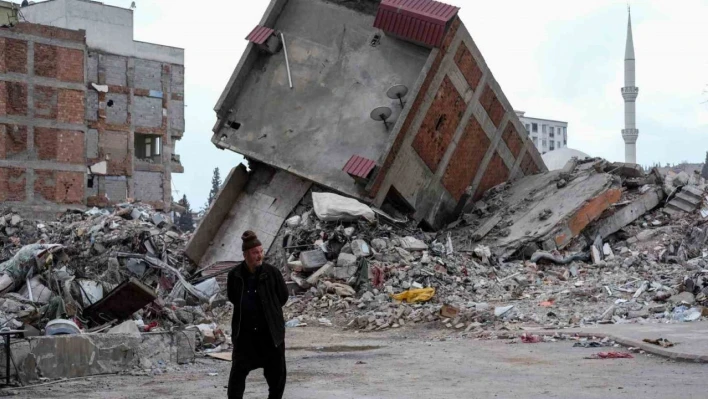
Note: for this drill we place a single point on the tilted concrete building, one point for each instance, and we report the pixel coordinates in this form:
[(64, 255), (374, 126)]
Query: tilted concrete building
[(93, 115), (452, 129)]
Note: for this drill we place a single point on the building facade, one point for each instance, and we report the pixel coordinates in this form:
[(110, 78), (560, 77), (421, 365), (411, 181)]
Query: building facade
[(42, 119), (546, 134), (116, 106)]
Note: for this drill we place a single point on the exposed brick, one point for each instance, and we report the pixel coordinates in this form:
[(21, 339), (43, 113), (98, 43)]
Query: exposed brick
[(59, 145), (495, 174), (51, 32), (45, 60), (589, 212), (71, 65), (71, 106), (115, 146), (16, 98), (45, 102), (439, 125), (417, 103), (15, 56), (3, 97), (12, 184), (468, 66), (528, 165), (13, 140), (491, 104), (59, 187), (177, 97), (512, 139), (466, 159)]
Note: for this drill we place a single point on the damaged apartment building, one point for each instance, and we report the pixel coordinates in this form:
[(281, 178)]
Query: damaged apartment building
[(88, 116), (389, 102)]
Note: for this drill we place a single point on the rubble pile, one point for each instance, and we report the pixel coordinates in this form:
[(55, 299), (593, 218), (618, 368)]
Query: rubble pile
[(117, 270), (592, 243)]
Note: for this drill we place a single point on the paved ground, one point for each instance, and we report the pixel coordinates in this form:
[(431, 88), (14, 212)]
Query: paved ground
[(691, 339), (327, 363)]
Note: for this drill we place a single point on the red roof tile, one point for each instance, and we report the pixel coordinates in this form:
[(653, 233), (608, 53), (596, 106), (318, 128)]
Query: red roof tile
[(359, 167), (422, 21), (260, 34)]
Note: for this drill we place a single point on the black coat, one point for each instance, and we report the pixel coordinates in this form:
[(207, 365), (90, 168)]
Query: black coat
[(273, 294)]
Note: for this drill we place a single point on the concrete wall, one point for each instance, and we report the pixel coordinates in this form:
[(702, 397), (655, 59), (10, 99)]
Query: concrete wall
[(42, 126), (108, 28), (459, 132), (261, 204), (71, 356), (140, 100), (313, 129)]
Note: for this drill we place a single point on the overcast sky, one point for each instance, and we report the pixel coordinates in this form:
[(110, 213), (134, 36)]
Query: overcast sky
[(554, 59)]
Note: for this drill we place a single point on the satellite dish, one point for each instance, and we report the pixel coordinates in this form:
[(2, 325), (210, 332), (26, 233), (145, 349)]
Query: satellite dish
[(397, 92), (381, 114)]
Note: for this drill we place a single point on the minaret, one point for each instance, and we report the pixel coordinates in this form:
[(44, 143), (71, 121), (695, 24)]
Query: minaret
[(630, 93)]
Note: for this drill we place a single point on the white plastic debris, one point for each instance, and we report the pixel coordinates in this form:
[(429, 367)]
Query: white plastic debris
[(293, 221), (332, 207)]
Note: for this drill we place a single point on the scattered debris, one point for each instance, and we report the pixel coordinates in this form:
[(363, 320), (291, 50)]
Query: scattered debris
[(611, 355), (663, 342)]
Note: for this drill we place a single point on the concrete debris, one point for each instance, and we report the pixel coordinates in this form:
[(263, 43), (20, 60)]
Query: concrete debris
[(603, 254), (113, 270)]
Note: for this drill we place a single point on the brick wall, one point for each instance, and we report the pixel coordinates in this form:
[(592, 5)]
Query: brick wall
[(45, 170), (71, 106), (59, 187), (467, 137), (63, 146), (439, 125), (16, 97), (13, 55), (12, 184), (467, 158), (45, 102), (13, 140)]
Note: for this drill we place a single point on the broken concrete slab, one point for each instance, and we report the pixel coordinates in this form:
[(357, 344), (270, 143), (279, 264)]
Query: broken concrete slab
[(312, 260), (72, 356), (360, 248), (413, 244), (585, 198), (628, 214), (687, 200), (323, 271), (486, 227), (629, 170), (260, 200), (127, 327)]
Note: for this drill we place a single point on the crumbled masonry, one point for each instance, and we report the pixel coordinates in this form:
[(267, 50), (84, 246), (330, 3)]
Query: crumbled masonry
[(568, 248)]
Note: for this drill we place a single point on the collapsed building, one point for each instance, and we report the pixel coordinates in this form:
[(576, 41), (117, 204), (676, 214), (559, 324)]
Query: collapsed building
[(88, 115), (389, 102)]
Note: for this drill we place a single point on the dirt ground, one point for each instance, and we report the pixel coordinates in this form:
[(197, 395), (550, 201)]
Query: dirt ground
[(329, 363)]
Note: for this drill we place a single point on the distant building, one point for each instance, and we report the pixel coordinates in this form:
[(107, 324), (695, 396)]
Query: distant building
[(88, 115), (8, 13), (546, 134)]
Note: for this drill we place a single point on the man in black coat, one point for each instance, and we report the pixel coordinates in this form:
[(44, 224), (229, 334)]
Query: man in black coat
[(258, 293)]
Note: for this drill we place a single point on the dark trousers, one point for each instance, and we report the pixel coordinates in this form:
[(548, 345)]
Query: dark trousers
[(271, 360)]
